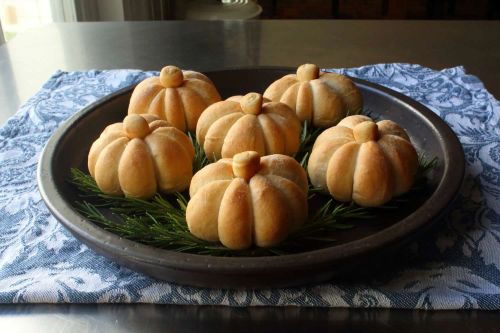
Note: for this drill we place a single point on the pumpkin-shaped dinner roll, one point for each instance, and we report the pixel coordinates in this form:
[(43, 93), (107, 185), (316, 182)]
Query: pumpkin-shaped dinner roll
[(363, 161), (248, 200), (320, 98), (244, 123), (140, 156), (176, 96)]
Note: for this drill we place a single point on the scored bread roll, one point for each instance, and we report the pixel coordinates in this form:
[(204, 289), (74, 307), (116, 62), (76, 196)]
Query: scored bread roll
[(248, 200), (141, 156), (176, 96), (322, 99), (363, 161), (244, 123)]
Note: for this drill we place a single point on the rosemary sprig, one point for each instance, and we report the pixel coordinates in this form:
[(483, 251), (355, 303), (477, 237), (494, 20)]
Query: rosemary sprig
[(425, 166), (88, 188), (307, 138), (161, 221), (328, 218), (304, 161), (200, 159)]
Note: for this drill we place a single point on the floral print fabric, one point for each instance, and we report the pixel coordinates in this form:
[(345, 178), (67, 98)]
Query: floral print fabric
[(456, 267)]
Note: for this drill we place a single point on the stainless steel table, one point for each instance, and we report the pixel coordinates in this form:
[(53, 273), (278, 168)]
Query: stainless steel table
[(30, 58)]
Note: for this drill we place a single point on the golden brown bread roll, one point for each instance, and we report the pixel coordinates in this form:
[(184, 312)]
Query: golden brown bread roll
[(363, 161), (176, 96), (320, 98), (140, 156), (243, 123), (248, 200)]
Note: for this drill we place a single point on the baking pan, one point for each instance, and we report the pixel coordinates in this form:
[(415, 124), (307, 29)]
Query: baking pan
[(69, 145)]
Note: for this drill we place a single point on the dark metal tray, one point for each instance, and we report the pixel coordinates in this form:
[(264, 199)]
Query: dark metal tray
[(69, 146)]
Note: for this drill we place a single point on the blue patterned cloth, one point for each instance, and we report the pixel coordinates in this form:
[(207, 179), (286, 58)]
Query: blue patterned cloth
[(458, 266)]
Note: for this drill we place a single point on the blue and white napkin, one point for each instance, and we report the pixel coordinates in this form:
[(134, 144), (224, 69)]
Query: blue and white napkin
[(457, 267)]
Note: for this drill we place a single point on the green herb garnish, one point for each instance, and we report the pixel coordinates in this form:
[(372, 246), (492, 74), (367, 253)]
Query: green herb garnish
[(161, 221)]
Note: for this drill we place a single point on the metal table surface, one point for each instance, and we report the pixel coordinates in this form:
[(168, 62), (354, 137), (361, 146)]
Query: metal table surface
[(30, 58)]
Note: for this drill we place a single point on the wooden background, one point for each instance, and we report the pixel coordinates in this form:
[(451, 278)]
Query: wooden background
[(381, 9)]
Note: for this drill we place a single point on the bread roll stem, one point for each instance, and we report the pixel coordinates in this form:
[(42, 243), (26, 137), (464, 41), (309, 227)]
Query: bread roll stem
[(246, 164)]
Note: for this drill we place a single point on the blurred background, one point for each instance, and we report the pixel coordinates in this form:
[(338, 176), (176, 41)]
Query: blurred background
[(19, 15)]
